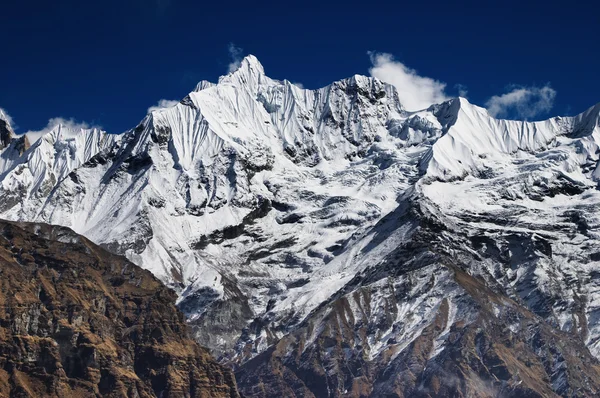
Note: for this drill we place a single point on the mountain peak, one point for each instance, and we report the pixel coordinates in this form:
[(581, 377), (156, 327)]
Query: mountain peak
[(249, 73), (248, 65), (251, 61), (204, 84)]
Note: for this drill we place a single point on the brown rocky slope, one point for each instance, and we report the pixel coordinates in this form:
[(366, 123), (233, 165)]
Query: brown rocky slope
[(77, 321)]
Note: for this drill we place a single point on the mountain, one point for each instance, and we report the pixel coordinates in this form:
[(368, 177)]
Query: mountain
[(330, 243), (78, 321)]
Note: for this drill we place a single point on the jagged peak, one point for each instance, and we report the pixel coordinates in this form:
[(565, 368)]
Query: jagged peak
[(362, 81), (252, 63), (203, 85), (67, 130), (250, 74), (84, 137)]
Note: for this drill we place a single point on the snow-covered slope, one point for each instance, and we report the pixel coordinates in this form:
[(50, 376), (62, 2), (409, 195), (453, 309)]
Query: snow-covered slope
[(526, 197), (30, 173), (263, 204)]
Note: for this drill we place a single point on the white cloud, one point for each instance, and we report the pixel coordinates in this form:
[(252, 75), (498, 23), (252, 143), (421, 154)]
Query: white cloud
[(298, 84), (462, 90), (163, 103), (33, 136), (525, 102), (415, 92), (235, 53)]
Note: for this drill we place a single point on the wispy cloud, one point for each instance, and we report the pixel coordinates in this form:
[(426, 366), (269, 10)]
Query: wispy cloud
[(414, 91), (524, 102), (235, 53), (163, 103), (462, 90), (33, 136)]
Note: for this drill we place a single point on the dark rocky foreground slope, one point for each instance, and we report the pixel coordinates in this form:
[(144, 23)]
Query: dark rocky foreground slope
[(77, 321)]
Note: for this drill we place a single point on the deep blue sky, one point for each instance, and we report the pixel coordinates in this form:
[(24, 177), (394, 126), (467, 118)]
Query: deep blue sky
[(106, 62)]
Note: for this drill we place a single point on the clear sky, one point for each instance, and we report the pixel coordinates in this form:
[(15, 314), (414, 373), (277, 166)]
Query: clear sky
[(106, 62)]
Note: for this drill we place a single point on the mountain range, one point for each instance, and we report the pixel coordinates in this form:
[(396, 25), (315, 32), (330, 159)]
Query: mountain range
[(330, 243)]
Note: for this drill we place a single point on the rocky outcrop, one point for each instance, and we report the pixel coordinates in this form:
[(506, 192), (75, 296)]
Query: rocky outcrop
[(6, 133), (79, 321)]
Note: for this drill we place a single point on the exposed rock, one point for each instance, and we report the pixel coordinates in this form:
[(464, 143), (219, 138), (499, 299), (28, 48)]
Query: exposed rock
[(79, 321), (6, 133)]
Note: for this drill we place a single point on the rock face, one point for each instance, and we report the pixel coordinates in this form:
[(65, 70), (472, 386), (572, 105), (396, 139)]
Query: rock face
[(77, 321), (6, 132)]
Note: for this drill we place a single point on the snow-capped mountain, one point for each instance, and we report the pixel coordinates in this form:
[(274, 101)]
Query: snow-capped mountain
[(334, 235)]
